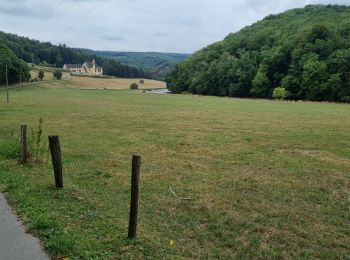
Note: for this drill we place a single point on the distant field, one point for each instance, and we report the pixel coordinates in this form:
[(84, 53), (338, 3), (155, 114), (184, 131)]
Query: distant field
[(112, 83), (82, 82), (266, 179), (47, 75)]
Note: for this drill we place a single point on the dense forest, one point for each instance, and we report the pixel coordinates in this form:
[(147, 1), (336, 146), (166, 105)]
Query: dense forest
[(17, 68), (158, 64), (32, 51), (305, 51)]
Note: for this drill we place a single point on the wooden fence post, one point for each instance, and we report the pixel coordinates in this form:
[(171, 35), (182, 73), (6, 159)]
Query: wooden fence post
[(134, 201), (24, 147), (7, 87), (55, 149)]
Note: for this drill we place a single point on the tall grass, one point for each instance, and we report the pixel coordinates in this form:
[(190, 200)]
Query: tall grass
[(37, 145), (38, 149), (10, 146)]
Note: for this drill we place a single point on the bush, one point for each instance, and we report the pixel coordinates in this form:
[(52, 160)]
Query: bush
[(345, 99), (279, 93), (41, 75), (134, 86), (57, 74), (142, 81)]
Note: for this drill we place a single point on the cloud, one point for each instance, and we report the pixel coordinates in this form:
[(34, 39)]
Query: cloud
[(22, 8), (113, 38), (138, 25)]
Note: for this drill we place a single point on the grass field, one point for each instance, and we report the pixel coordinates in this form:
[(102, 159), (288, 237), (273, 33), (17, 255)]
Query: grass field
[(266, 179)]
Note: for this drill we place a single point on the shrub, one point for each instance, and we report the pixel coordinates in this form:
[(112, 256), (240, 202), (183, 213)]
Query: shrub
[(142, 81), (57, 74), (41, 75), (345, 99), (37, 145), (279, 93), (134, 86)]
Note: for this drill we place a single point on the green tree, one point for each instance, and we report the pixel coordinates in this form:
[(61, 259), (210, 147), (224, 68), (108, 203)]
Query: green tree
[(314, 77), (134, 86), (16, 67), (279, 93), (261, 84), (57, 74), (41, 75)]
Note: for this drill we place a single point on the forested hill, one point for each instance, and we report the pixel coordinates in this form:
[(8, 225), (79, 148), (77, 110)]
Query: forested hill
[(306, 51), (146, 60), (157, 63), (33, 51)]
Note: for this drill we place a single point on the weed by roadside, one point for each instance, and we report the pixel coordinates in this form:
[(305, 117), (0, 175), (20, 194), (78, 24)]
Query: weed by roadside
[(37, 145)]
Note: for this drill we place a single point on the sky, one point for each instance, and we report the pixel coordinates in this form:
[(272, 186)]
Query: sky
[(138, 25)]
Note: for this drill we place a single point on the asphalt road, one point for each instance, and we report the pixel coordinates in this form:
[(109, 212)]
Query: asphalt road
[(15, 243)]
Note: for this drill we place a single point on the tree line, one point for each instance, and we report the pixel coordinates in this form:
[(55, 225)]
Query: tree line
[(305, 51), (17, 51), (156, 64)]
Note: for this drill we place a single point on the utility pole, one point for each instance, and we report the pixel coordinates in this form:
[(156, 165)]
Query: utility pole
[(7, 88)]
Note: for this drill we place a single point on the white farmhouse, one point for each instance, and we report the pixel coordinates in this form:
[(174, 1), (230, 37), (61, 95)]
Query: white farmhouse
[(88, 68)]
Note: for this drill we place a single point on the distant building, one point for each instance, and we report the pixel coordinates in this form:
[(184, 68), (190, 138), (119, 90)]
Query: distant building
[(88, 68)]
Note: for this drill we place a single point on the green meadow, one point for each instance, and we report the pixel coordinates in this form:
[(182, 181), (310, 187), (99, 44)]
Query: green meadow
[(267, 179)]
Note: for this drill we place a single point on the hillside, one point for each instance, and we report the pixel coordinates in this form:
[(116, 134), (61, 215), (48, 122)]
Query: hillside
[(157, 63), (33, 51), (306, 51)]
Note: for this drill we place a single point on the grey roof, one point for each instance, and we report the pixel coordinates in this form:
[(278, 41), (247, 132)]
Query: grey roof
[(89, 64), (73, 66)]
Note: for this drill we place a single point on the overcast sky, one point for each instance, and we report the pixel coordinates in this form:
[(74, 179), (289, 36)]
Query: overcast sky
[(138, 25)]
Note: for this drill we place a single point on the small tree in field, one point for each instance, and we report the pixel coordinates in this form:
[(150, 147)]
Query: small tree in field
[(279, 93), (134, 86), (142, 81), (57, 74), (41, 75)]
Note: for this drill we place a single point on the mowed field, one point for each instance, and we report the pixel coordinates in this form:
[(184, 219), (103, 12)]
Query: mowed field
[(95, 83), (48, 75), (266, 179), (112, 83)]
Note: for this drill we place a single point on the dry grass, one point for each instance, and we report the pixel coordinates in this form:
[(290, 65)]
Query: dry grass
[(112, 83), (47, 75)]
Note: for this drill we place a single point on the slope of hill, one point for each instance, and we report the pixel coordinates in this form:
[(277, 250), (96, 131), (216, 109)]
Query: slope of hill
[(140, 59), (159, 64), (306, 51), (33, 51)]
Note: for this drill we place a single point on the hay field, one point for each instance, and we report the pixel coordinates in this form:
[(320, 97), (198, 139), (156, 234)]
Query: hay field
[(48, 75), (112, 83)]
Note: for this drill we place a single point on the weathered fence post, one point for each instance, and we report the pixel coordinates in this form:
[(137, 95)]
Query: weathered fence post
[(7, 87), (55, 149), (134, 201), (24, 150)]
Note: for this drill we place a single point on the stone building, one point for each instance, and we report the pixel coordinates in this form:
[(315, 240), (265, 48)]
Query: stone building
[(88, 68)]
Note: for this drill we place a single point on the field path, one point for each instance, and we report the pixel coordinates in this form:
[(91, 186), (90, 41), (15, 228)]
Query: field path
[(15, 243)]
